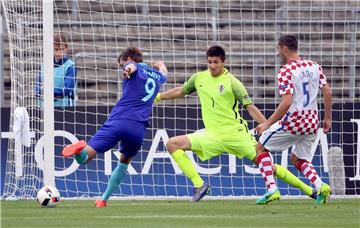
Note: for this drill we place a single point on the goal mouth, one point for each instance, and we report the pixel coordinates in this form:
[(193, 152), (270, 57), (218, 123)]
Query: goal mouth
[(179, 34)]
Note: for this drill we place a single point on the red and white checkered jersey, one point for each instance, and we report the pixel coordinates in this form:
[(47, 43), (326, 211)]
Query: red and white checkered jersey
[(301, 78)]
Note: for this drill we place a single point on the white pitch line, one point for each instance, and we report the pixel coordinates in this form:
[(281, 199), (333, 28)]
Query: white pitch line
[(138, 217), (123, 203), (166, 216)]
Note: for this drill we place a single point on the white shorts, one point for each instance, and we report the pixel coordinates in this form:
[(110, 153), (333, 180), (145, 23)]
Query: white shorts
[(275, 139)]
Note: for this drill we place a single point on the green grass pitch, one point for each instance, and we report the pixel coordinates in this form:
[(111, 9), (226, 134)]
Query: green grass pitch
[(180, 213)]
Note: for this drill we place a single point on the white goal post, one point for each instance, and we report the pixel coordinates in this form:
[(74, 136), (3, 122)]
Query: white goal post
[(178, 32), (48, 62)]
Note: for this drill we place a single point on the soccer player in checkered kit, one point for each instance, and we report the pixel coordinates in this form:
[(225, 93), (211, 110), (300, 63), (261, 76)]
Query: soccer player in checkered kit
[(295, 120)]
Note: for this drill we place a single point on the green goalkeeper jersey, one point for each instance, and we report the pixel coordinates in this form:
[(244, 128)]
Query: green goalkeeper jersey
[(219, 97)]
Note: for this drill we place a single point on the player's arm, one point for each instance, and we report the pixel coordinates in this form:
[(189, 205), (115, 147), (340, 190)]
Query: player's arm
[(129, 69), (161, 67), (177, 92), (172, 93), (286, 90), (326, 91), (255, 113), (242, 96), (280, 111)]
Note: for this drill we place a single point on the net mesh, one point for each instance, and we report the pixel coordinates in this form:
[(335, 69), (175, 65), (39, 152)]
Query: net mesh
[(179, 33)]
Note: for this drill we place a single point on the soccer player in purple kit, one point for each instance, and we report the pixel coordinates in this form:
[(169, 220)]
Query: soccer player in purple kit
[(128, 119)]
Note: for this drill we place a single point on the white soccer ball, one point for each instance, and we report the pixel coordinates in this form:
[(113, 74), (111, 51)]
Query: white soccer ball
[(48, 196)]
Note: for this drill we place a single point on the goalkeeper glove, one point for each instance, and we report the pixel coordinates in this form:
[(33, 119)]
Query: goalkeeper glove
[(157, 98)]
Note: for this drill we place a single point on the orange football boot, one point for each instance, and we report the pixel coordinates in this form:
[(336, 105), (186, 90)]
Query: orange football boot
[(100, 203), (74, 148)]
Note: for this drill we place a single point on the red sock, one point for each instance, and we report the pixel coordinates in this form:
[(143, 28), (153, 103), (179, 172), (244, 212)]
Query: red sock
[(310, 173), (265, 166)]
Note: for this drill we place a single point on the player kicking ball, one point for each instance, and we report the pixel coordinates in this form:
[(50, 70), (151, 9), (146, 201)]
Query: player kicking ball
[(295, 120), (128, 119)]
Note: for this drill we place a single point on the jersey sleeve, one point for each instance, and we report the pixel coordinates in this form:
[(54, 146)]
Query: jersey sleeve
[(189, 85), (322, 77), (285, 83), (131, 63), (240, 92), (163, 78)]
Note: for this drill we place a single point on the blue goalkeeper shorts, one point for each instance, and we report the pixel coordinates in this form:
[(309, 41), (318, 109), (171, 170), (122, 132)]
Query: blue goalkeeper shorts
[(131, 133)]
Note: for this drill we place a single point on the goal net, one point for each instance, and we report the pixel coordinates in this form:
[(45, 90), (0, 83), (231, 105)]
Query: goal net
[(178, 32)]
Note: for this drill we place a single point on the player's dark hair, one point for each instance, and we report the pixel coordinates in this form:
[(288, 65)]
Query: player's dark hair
[(132, 52), (216, 51), (289, 41), (60, 39)]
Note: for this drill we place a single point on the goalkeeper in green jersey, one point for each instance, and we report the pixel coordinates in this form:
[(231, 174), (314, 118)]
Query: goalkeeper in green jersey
[(220, 94)]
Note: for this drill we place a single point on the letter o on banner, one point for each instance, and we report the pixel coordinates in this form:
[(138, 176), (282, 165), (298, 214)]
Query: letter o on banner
[(39, 156)]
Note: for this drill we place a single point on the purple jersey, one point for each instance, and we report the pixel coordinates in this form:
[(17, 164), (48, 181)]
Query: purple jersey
[(139, 93)]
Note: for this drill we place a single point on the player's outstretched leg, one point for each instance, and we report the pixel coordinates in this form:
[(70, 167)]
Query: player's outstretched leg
[(200, 192), (176, 147), (285, 175), (313, 195), (323, 194), (185, 164), (78, 150)]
